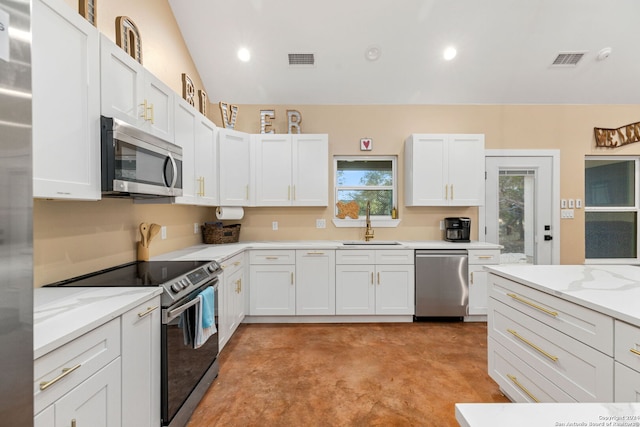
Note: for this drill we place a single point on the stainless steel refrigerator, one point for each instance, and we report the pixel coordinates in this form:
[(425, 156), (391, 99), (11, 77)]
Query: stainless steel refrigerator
[(16, 207)]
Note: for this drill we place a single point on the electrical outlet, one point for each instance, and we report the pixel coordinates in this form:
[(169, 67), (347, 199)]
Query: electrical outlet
[(563, 204), (274, 225), (578, 203), (441, 225), (163, 232), (566, 213), (196, 228), (321, 223), (572, 203)]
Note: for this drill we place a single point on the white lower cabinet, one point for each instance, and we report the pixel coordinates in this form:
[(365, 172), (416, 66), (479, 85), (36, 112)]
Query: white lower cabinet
[(478, 279), (363, 286), (141, 365), (316, 282), (108, 377), (545, 349), (627, 366), (272, 278), (231, 295)]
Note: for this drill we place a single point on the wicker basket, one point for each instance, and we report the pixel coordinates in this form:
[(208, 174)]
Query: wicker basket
[(216, 233)]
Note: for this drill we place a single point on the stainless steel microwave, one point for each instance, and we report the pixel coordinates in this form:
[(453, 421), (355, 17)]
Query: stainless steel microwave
[(138, 164)]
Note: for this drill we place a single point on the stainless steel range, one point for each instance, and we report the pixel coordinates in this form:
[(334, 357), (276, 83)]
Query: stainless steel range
[(187, 372)]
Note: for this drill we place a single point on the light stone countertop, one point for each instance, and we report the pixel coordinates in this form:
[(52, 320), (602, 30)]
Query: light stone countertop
[(61, 315), (547, 414), (613, 290), (205, 252)]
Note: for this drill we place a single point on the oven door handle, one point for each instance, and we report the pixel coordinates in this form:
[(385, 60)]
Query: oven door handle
[(169, 315)]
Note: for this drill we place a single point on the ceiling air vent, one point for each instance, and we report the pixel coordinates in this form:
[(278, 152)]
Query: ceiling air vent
[(567, 59), (302, 59)]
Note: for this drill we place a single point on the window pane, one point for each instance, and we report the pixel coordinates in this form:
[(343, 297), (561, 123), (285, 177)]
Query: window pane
[(381, 200), (611, 234), (365, 172), (609, 183)]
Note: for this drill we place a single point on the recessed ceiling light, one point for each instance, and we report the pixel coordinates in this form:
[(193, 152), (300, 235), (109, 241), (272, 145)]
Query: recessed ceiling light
[(450, 53), (244, 55), (372, 53)]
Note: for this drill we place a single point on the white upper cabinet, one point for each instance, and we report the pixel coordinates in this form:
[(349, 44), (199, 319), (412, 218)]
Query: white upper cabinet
[(292, 170), (444, 170), (197, 136), (66, 103), (134, 95), (234, 168)]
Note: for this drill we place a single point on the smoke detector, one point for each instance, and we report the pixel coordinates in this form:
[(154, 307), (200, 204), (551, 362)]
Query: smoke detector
[(603, 54)]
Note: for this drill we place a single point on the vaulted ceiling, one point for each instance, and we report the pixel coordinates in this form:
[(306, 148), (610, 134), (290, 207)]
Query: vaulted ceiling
[(505, 50)]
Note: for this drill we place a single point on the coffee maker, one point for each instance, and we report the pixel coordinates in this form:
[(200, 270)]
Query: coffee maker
[(457, 229)]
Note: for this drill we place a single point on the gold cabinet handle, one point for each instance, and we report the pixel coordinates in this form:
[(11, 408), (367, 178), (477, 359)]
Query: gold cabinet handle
[(145, 108), (378, 277), (288, 192), (536, 306), (236, 263), (65, 371), (532, 345), (472, 277), (315, 253), (294, 193), (634, 351), (147, 311), (238, 286), (523, 388), (73, 422), (451, 191), (484, 256), (446, 192), (372, 277), (271, 257), (246, 188), (153, 117), (292, 278)]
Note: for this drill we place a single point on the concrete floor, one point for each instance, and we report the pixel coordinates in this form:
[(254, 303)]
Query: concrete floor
[(348, 375)]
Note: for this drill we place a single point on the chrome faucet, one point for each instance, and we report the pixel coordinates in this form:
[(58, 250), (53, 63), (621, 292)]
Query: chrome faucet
[(368, 234)]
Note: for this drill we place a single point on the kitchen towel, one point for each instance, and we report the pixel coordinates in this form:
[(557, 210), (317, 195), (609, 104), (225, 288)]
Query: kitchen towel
[(229, 212), (205, 313)]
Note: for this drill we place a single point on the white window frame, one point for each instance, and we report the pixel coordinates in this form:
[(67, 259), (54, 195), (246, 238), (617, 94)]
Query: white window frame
[(376, 220), (635, 208)]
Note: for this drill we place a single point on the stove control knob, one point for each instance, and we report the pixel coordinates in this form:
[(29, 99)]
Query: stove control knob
[(211, 268), (185, 283), (175, 288)]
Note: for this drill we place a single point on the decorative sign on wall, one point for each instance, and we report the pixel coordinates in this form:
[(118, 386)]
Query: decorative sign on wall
[(89, 10), (266, 117), (128, 37), (350, 209), (229, 114), (366, 144), (613, 138), (202, 95), (295, 118), (188, 90)]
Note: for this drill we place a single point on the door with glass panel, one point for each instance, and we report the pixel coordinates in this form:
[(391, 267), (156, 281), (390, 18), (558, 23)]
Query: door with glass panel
[(611, 208), (518, 215)]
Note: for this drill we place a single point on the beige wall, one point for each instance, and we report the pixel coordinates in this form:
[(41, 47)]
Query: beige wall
[(72, 238), (567, 128)]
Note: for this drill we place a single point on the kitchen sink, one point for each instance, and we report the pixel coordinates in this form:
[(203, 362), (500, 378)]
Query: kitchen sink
[(370, 243)]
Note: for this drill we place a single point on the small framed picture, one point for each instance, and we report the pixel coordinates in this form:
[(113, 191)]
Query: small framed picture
[(366, 144)]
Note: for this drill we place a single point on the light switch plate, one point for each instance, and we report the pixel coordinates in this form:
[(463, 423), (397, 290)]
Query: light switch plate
[(274, 225), (163, 232), (321, 223), (563, 203), (578, 203), (572, 203), (566, 213), (196, 228)]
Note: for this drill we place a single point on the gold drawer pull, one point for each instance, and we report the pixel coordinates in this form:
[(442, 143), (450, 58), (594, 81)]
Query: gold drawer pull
[(147, 311), (523, 388), (634, 351), (484, 256), (472, 277), (532, 345), (237, 263), (65, 371), (292, 277), (271, 257), (536, 306), (315, 253)]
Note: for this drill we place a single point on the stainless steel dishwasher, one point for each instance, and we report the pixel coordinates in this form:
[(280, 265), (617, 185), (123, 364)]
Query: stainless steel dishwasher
[(442, 287)]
